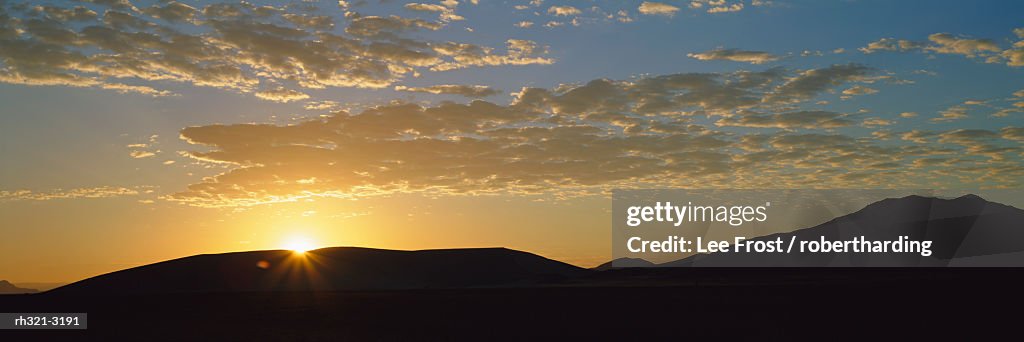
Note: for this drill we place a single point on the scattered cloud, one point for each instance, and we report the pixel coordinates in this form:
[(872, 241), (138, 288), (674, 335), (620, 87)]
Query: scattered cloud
[(657, 8), (144, 150), (95, 192), (232, 46), (949, 44), (590, 137), (952, 113), (519, 52), (142, 154), (857, 90), (322, 105), (812, 82), (425, 7), (719, 6), (891, 44), (722, 54), (447, 13), (987, 50), (563, 11), (172, 11), (802, 119), (725, 9), (875, 122), (281, 94), (473, 91), (1013, 133), (621, 16)]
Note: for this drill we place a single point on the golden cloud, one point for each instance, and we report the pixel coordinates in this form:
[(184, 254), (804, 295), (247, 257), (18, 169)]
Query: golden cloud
[(94, 192), (720, 54), (945, 43), (657, 8), (592, 137), (563, 11), (474, 91)]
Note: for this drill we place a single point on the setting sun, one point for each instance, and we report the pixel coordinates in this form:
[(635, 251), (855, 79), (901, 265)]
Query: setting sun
[(299, 244)]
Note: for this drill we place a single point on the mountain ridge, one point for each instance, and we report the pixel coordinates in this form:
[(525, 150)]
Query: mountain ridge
[(7, 287), (960, 228)]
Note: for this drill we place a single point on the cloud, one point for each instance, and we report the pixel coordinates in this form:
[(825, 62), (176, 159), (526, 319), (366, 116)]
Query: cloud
[(95, 192), (1013, 133), (77, 13), (563, 11), (447, 13), (315, 22), (519, 52), (891, 44), (454, 89), (322, 105), (425, 7), (726, 9), (674, 130), (621, 16), (949, 44), (952, 113), (281, 94), (1014, 57), (814, 81), (123, 5), (920, 137), (141, 154), (173, 12), (230, 46), (875, 122), (982, 143), (801, 119), (945, 43), (719, 6), (721, 54), (857, 90), (657, 8), (144, 150)]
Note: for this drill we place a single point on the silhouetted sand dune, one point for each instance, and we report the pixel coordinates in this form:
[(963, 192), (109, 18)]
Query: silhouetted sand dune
[(338, 268), (624, 262)]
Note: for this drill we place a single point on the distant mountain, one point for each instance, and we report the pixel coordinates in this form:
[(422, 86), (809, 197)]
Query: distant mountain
[(42, 286), (624, 263), (338, 268), (7, 288), (965, 231)]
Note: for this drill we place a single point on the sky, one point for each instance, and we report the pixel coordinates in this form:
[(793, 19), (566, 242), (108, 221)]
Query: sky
[(136, 131)]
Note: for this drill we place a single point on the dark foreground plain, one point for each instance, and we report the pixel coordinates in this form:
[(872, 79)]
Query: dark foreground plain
[(627, 304)]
